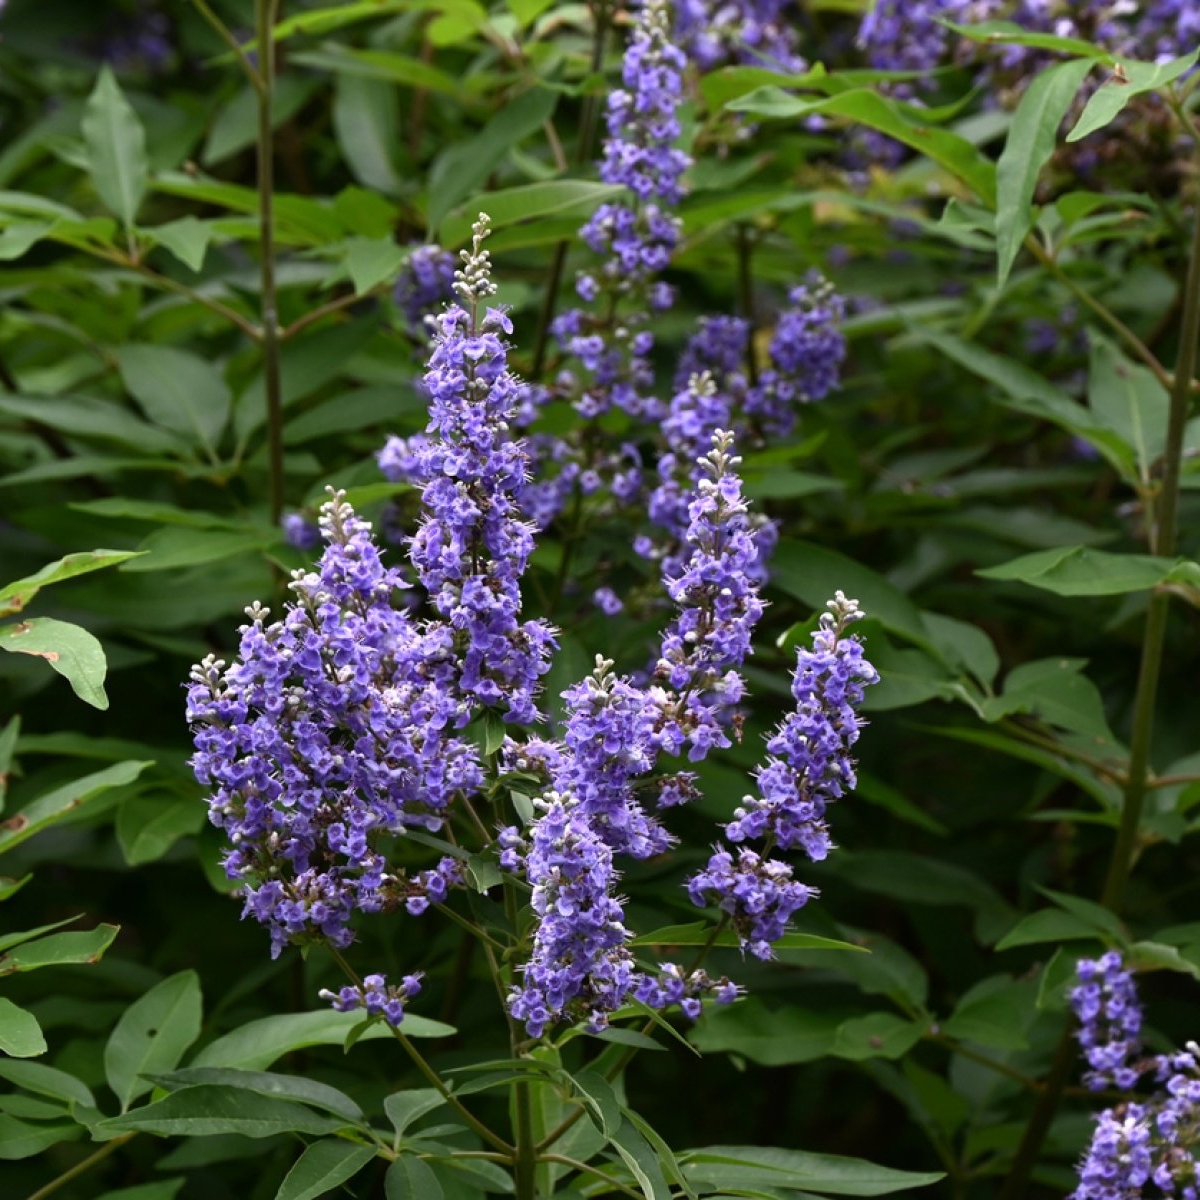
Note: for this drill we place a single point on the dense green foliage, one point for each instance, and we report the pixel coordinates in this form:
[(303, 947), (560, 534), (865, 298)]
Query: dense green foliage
[(1004, 507)]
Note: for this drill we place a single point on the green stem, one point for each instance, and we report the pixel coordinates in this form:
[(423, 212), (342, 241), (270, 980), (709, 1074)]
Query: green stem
[(745, 261), (265, 14), (576, 1165), (1163, 532), (80, 1167), (1131, 339), (525, 1159), (226, 35), (430, 1074)]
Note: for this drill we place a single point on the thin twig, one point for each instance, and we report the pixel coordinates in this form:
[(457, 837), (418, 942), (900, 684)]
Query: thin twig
[(226, 35), (587, 1169), (80, 1167)]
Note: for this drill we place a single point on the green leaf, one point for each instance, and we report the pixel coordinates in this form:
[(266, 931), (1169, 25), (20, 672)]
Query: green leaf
[(257, 1044), (8, 743), (366, 121), (698, 933), (641, 1160), (1155, 956), (47, 1081), (148, 826), (373, 261), (463, 168), (323, 1166), (948, 150), (1047, 925), (736, 1167), (55, 805), (187, 239), (1082, 571), (58, 949), (1008, 33), (1055, 690), (1126, 398), (995, 1012), (266, 1083), (211, 1109), (403, 1108), (27, 935), (69, 649), (1128, 80), (160, 1189), (526, 203), (20, 1033), (177, 547), (813, 573), (601, 1101), (152, 1035), (21, 1140), (876, 1035), (410, 1178), (177, 390), (116, 148), (772, 1038), (1031, 140), (16, 595), (1101, 919)]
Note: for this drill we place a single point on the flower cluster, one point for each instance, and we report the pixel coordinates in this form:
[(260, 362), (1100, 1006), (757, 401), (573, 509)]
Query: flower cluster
[(634, 236), (329, 732), (1142, 1143), (473, 542), (716, 33), (342, 727), (376, 997), (1110, 1021), (808, 766), (425, 284)]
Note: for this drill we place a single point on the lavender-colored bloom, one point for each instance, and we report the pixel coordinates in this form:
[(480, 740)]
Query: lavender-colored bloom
[(376, 997), (332, 729), (714, 33), (718, 604), (299, 531), (607, 601), (473, 542), (807, 351), (809, 764), (757, 893), (139, 43), (425, 284), (634, 236), (1106, 1004), (581, 964)]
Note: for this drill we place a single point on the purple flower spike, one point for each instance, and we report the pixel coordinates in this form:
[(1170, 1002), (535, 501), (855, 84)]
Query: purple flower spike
[(473, 542)]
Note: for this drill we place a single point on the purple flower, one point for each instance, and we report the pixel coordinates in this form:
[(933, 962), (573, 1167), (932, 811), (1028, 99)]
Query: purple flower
[(1105, 1001), (715, 33), (473, 541), (809, 764), (425, 285), (332, 730), (299, 531), (376, 997)]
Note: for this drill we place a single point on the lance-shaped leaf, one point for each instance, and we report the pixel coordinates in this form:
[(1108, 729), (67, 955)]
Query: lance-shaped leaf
[(116, 148)]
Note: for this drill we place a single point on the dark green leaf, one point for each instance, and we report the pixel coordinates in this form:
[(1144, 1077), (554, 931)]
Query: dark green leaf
[(58, 949), (266, 1083), (57, 804), (403, 1108), (525, 203), (187, 239), (410, 1178), (372, 261), (322, 1167), (177, 390), (1031, 141), (152, 1035), (1047, 925), (765, 1166), (995, 1012), (16, 595), (149, 825), (1082, 571), (259, 1043), (212, 1109), (20, 1139)]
